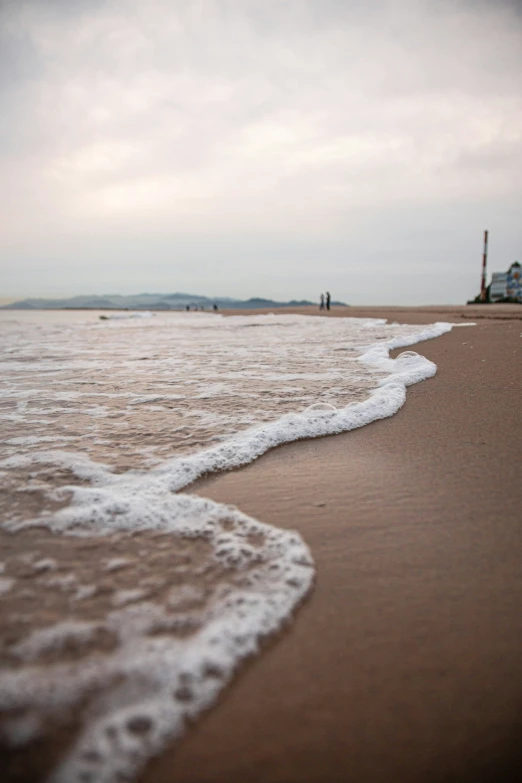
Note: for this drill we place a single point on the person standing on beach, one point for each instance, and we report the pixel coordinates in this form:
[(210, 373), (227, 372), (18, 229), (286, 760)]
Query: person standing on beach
[(328, 300), (321, 306)]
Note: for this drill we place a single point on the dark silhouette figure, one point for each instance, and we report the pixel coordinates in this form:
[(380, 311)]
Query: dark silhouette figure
[(215, 308), (321, 306), (328, 300), (187, 308)]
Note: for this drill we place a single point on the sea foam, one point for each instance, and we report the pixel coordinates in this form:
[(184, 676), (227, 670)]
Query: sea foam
[(170, 637)]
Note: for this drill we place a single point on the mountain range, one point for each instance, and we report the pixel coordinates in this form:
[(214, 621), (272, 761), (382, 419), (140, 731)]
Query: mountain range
[(176, 301)]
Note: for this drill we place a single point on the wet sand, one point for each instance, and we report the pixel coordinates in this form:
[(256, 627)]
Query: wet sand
[(404, 663)]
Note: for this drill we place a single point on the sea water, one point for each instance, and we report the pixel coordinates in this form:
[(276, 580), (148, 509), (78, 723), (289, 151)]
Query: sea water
[(137, 615)]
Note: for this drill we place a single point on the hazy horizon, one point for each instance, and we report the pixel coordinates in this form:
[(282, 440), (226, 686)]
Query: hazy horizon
[(272, 149), (195, 294)]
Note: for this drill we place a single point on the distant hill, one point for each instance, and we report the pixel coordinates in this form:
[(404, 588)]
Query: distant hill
[(177, 301)]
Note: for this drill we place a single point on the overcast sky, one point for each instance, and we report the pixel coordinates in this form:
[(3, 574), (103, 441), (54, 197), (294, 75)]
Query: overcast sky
[(259, 147)]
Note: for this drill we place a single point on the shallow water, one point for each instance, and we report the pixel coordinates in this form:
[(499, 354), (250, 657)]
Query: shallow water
[(132, 392), (135, 618)]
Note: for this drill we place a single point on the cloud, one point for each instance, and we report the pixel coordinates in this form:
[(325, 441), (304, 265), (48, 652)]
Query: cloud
[(291, 124)]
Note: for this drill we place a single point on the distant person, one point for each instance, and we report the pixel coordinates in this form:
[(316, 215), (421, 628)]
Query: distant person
[(215, 308), (187, 308), (328, 300), (321, 306)]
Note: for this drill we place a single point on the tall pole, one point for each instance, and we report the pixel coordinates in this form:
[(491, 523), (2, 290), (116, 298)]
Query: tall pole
[(484, 262)]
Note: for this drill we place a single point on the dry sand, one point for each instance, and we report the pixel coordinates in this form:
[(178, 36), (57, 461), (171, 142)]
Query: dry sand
[(404, 664)]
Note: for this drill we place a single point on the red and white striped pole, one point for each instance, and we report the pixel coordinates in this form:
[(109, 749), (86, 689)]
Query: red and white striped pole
[(484, 262)]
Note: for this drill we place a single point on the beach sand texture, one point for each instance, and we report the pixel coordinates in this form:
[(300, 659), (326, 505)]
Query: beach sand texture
[(403, 663)]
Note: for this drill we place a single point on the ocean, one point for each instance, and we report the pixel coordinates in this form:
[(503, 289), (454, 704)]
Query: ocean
[(126, 602)]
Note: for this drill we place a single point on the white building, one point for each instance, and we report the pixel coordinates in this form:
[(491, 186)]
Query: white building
[(506, 285)]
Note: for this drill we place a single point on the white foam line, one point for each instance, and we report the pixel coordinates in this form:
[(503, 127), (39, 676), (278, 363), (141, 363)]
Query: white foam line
[(384, 401), (180, 677)]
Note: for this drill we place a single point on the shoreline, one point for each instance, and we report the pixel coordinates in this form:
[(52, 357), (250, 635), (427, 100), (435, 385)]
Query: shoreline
[(293, 711), (425, 314), (412, 313), (403, 663)]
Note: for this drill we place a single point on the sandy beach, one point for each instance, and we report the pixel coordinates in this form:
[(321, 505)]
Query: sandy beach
[(403, 663), (252, 530)]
